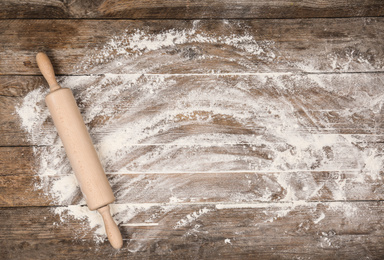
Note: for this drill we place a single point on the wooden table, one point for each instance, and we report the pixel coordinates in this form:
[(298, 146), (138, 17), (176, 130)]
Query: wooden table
[(228, 129)]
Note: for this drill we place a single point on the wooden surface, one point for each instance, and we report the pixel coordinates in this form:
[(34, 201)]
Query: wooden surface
[(224, 135)]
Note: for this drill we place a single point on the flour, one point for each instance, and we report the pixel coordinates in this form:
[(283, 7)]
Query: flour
[(138, 51), (317, 221), (190, 218), (33, 114), (152, 122), (93, 220)]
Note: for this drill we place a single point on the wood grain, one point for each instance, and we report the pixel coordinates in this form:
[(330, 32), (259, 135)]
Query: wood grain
[(182, 9), (247, 232), (309, 45)]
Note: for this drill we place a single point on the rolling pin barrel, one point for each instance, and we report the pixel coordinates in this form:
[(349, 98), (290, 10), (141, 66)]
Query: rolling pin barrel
[(80, 150)]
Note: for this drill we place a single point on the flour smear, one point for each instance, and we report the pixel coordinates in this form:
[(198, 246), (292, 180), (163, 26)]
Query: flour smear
[(270, 126)]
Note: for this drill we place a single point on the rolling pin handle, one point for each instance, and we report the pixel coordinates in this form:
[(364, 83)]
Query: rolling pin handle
[(111, 228), (46, 69)]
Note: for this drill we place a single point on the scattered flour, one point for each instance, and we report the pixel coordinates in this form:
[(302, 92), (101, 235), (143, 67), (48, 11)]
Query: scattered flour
[(131, 45), (322, 216), (33, 114), (191, 218), (93, 220), (146, 123)]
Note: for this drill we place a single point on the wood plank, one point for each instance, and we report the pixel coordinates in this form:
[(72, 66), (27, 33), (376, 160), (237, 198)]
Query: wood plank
[(240, 108), (190, 46), (221, 187), (280, 157), (182, 9), (306, 231)]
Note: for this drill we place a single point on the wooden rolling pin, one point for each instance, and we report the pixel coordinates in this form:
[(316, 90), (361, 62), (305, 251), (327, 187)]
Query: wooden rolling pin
[(80, 150)]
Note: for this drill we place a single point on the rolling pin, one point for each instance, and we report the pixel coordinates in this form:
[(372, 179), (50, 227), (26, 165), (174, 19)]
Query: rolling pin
[(80, 150)]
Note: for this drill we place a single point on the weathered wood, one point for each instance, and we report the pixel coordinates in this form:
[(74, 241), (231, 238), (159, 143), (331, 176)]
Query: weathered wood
[(91, 46), (221, 187), (182, 9), (320, 104), (310, 230), (209, 158)]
